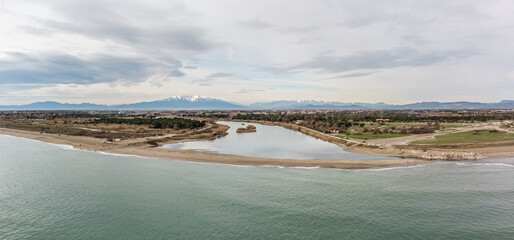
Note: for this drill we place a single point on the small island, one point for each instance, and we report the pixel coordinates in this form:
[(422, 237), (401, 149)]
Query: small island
[(247, 129)]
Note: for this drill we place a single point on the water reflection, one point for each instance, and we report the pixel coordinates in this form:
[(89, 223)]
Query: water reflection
[(272, 142)]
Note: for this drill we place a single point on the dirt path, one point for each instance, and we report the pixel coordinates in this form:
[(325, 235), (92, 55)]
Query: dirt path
[(331, 136)]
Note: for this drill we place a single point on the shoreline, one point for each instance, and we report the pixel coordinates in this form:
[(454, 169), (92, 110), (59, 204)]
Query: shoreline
[(146, 150)]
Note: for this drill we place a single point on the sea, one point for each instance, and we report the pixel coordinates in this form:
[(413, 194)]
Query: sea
[(50, 191)]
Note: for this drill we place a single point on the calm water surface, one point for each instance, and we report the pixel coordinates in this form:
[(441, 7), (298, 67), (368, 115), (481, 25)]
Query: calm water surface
[(54, 192), (273, 142)]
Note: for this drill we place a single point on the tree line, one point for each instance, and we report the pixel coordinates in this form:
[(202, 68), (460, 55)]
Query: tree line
[(175, 123), (372, 116)]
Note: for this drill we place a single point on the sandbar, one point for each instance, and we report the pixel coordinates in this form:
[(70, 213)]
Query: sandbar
[(147, 150)]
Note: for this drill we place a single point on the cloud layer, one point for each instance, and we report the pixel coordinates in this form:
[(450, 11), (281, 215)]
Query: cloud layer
[(367, 51), (52, 68)]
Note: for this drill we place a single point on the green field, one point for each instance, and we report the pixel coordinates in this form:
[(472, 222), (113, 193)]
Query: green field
[(373, 136), (483, 136)]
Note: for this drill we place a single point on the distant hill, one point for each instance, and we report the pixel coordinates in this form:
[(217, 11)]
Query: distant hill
[(205, 103), (173, 103), (309, 105), (505, 104), (312, 105), (50, 105)]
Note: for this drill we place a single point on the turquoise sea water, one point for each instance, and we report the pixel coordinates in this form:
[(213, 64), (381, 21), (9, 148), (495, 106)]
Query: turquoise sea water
[(273, 142), (54, 192)]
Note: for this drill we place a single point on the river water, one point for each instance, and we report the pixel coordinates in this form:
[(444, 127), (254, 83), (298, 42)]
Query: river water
[(55, 192), (272, 142)]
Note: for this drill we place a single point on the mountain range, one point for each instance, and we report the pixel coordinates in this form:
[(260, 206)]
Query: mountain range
[(205, 103)]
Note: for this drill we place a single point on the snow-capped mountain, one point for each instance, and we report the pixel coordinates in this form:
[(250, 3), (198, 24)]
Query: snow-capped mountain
[(181, 103), (194, 98)]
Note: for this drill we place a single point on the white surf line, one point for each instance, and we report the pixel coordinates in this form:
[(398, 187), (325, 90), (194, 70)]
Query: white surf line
[(392, 168), (485, 164)]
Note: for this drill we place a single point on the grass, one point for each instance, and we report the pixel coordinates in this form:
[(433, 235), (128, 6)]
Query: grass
[(483, 136), (373, 136)]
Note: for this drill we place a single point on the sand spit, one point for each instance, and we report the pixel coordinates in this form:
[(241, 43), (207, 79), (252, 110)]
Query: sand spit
[(147, 150)]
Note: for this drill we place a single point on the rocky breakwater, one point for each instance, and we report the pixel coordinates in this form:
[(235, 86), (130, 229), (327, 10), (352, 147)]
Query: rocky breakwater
[(450, 156)]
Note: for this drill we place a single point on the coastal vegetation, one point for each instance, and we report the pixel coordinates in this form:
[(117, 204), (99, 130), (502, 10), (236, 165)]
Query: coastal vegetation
[(107, 125), (175, 123)]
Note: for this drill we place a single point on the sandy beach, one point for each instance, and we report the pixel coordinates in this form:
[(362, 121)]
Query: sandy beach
[(145, 150)]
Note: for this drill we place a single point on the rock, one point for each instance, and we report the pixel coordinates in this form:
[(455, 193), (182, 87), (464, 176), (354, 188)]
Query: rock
[(451, 156)]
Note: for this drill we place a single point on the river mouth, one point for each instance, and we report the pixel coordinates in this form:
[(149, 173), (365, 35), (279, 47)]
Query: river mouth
[(272, 142)]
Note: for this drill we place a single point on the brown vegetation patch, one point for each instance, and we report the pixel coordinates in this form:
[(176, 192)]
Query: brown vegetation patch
[(247, 129)]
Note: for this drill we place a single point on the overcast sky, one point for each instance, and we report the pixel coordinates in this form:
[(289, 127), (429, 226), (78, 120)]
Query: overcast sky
[(247, 51)]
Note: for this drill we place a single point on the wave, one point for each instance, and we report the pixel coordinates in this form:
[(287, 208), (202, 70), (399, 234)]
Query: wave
[(485, 164), (306, 167), (391, 168), (122, 155), (269, 166), (235, 165), (266, 166), (65, 147)]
